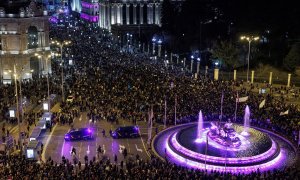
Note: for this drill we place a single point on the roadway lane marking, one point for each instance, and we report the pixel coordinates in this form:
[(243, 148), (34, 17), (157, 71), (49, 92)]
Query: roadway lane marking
[(88, 151), (104, 149), (13, 129), (47, 142), (139, 150), (71, 150), (79, 150), (144, 146), (63, 147), (126, 138)]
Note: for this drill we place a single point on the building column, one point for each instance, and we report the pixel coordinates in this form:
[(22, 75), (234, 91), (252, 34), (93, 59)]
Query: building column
[(127, 14), (119, 9), (108, 16), (157, 13), (121, 14), (113, 13), (134, 13), (141, 13), (104, 18), (40, 37), (101, 14), (150, 13)]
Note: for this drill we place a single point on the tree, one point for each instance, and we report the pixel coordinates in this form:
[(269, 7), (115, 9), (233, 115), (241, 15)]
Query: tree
[(292, 59), (227, 53)]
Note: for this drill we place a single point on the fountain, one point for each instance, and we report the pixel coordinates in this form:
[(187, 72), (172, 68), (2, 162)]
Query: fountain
[(200, 126), (246, 122), (222, 146)]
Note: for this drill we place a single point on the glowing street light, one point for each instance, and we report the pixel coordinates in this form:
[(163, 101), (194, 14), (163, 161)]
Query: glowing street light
[(249, 39), (48, 94), (153, 42), (192, 60), (159, 42), (61, 45), (198, 64)]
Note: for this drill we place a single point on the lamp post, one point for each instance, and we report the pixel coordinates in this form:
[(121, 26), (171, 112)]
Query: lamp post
[(153, 47), (198, 65), (17, 108), (249, 39), (192, 60), (61, 45), (48, 93), (159, 42)]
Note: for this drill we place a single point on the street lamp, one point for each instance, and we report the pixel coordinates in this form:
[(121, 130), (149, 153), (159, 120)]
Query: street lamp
[(153, 42), (192, 60), (249, 39), (48, 94), (159, 42), (17, 99), (61, 45), (198, 64)]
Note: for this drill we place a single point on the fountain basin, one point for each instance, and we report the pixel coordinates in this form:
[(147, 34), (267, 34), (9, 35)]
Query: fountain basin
[(268, 150)]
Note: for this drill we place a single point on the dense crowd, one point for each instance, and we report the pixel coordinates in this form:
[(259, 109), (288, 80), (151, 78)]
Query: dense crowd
[(109, 83), (133, 168)]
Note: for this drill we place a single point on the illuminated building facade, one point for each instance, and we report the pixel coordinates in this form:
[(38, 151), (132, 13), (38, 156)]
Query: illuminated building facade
[(24, 31), (129, 12), (90, 11)]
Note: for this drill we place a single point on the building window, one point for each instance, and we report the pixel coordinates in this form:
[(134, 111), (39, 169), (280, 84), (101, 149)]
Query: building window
[(32, 37)]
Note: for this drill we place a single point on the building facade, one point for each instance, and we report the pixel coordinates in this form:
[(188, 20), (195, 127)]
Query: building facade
[(24, 31), (90, 11), (129, 12)]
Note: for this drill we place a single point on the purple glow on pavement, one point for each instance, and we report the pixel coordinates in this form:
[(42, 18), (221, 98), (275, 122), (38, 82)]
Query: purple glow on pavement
[(89, 17), (215, 159)]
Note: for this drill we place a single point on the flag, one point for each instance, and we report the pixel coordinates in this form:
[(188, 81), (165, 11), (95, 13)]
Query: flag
[(165, 118), (284, 113), (262, 104), (242, 99), (222, 98)]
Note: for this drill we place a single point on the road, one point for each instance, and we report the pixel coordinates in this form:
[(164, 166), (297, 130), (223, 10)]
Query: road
[(55, 146)]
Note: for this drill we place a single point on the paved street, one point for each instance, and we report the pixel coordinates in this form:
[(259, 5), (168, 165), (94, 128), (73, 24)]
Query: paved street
[(55, 146)]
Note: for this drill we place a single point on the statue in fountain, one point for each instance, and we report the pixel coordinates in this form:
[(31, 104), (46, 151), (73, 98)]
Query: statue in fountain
[(224, 135)]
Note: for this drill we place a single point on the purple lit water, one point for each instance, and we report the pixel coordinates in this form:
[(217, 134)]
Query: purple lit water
[(200, 125), (246, 121)]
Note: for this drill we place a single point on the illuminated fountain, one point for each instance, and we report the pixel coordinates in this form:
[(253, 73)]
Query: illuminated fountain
[(246, 121), (200, 127), (222, 147)]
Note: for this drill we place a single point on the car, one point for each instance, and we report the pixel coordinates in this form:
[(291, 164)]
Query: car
[(126, 132), (70, 99), (80, 134)]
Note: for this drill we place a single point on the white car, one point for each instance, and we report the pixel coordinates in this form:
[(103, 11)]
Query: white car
[(70, 99)]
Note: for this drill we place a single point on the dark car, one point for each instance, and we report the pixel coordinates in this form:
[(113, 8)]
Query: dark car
[(126, 132), (80, 134)]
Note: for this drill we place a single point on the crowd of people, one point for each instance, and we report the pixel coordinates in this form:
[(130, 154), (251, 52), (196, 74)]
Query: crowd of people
[(133, 168), (109, 83)]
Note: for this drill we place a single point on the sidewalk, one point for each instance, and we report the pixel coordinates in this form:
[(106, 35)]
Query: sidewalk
[(13, 128)]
